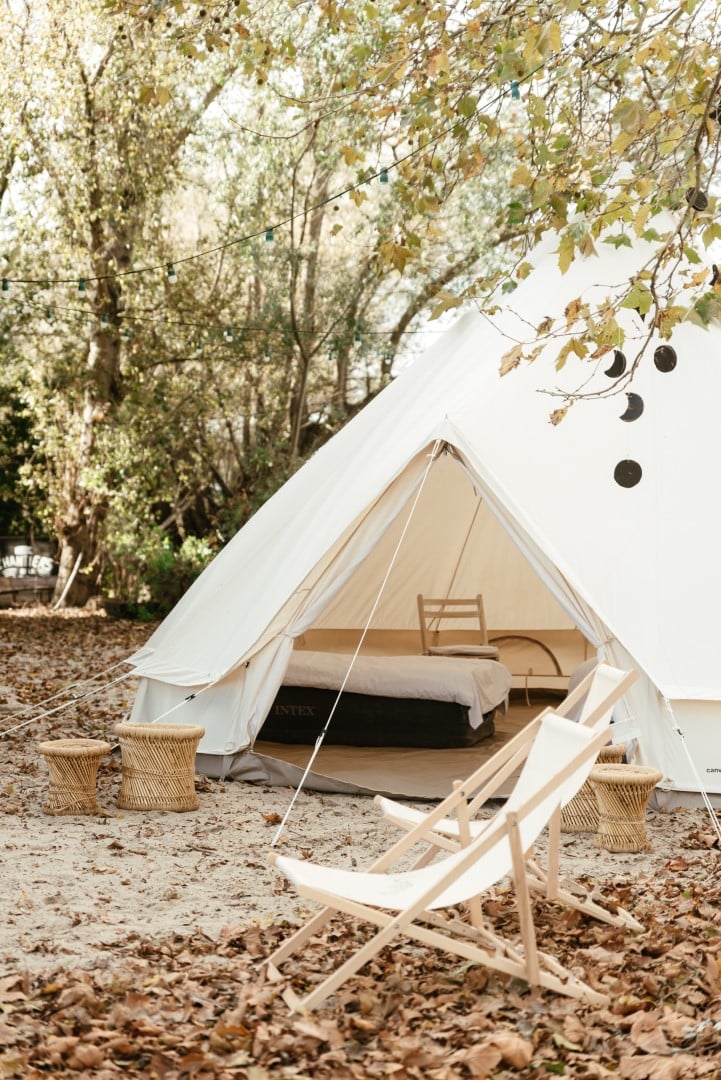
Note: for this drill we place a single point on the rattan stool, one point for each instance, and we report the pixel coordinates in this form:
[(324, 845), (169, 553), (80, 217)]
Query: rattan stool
[(73, 768), (580, 814), (623, 792), (158, 766)]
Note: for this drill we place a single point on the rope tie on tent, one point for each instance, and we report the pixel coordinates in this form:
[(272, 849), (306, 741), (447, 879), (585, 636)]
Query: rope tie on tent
[(319, 741), (694, 770), (179, 705)]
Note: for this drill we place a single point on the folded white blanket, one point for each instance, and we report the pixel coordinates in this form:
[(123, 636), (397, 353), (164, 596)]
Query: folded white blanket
[(479, 684)]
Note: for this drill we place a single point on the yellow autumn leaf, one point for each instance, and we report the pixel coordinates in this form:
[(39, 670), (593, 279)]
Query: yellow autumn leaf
[(697, 279), (511, 359), (639, 222), (522, 177), (565, 252), (438, 62), (351, 155)]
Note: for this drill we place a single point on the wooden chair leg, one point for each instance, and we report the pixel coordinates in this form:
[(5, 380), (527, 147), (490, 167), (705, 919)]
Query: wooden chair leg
[(523, 899), (553, 862), (475, 910)]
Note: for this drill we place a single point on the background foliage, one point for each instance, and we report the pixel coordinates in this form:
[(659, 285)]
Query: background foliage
[(267, 201)]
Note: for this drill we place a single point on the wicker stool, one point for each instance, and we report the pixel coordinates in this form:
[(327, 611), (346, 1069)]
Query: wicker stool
[(580, 814), (158, 771), (73, 768), (623, 792)]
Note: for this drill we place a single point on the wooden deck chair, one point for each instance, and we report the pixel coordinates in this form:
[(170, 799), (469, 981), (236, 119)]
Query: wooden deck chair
[(433, 612), (597, 695), (405, 904)]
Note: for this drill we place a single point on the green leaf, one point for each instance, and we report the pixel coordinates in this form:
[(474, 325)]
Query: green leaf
[(516, 213), (639, 298)]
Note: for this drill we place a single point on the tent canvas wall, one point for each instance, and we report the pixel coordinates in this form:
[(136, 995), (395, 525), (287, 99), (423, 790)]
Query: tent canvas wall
[(635, 570)]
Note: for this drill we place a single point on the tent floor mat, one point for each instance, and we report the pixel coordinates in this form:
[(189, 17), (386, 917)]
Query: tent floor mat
[(402, 772)]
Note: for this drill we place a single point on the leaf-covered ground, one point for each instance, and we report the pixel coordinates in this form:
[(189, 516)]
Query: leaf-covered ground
[(161, 974)]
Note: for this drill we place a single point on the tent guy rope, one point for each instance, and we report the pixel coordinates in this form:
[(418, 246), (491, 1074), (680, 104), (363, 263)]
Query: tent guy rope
[(65, 704), (59, 693), (437, 448)]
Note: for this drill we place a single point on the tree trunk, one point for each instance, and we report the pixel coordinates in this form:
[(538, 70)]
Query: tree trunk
[(83, 509)]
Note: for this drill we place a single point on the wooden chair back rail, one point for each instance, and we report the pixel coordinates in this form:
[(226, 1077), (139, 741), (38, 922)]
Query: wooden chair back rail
[(432, 611)]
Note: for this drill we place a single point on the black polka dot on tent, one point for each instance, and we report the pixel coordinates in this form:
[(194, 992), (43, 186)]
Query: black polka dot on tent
[(697, 199), (617, 368), (633, 409), (665, 358), (627, 473)]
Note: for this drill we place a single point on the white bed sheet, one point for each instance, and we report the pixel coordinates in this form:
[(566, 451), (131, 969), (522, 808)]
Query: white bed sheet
[(482, 685)]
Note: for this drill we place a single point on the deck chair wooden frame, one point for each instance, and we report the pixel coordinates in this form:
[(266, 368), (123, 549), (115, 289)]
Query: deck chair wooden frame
[(562, 755), (602, 689), (433, 611)]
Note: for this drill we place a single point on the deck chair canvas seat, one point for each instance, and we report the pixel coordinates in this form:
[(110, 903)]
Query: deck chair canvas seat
[(434, 611), (404, 903), (591, 704)]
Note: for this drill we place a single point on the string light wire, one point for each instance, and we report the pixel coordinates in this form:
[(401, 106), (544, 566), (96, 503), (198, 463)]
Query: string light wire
[(268, 231)]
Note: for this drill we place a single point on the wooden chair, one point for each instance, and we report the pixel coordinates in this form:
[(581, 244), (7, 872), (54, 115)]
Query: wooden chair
[(591, 704), (432, 612), (406, 904)]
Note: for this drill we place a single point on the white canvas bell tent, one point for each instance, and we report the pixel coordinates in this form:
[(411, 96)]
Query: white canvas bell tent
[(527, 513)]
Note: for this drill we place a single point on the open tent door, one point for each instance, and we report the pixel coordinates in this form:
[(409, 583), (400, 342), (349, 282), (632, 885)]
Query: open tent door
[(455, 546), (451, 544)]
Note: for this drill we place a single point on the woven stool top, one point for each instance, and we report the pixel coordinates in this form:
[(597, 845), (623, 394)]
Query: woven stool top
[(625, 774), (159, 732), (75, 747)]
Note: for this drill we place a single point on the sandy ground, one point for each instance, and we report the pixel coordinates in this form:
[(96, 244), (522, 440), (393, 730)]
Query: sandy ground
[(76, 887)]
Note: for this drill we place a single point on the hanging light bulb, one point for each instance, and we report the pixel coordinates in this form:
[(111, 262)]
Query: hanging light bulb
[(266, 355), (172, 276), (269, 234), (105, 319), (126, 333), (228, 335), (515, 91), (49, 314), (82, 288), (5, 286), (383, 177), (357, 339)]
